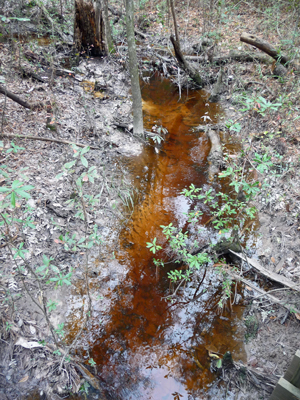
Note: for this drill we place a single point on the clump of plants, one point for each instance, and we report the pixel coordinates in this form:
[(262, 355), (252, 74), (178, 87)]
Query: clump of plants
[(229, 213)]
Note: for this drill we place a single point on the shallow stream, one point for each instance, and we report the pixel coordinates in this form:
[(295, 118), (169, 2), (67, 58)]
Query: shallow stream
[(147, 347)]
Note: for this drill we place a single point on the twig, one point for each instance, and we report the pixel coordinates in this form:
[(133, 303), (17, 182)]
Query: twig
[(273, 299), (3, 112), (260, 83), (269, 274), (47, 140)]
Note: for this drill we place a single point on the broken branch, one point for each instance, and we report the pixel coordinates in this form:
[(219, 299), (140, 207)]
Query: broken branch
[(269, 274), (264, 46), (17, 99)]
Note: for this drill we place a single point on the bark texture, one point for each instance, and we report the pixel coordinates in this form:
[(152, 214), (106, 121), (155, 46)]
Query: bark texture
[(17, 99), (264, 46), (89, 32), (215, 95), (215, 158), (138, 128), (191, 71)]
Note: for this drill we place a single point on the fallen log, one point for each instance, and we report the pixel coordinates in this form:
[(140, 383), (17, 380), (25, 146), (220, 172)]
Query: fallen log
[(17, 99), (264, 46), (233, 56)]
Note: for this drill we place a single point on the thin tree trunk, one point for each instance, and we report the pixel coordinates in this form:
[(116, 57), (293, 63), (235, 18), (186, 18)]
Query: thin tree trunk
[(109, 41), (175, 22), (193, 73), (138, 127)]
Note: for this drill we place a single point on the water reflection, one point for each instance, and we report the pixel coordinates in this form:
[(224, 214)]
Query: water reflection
[(148, 348)]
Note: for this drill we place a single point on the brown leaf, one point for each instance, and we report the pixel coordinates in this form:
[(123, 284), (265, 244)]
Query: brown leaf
[(297, 315), (24, 379), (273, 260)]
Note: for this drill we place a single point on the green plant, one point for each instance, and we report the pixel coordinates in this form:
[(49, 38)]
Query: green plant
[(60, 330), (8, 326), (92, 362), (15, 216), (233, 126), (229, 213), (85, 387), (258, 104)]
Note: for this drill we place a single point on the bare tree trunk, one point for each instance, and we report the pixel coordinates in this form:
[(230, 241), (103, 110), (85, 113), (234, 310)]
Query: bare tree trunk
[(89, 32), (138, 127), (193, 73), (109, 41), (175, 22)]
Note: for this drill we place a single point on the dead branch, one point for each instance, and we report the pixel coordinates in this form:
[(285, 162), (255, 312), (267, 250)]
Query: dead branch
[(192, 72), (232, 56), (143, 35), (269, 274), (264, 46), (20, 101), (90, 378), (47, 140), (273, 299)]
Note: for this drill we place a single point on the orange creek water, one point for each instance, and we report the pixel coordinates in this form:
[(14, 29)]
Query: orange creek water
[(149, 348)]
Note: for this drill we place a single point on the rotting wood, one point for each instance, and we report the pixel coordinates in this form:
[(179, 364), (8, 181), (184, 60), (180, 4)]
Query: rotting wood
[(264, 46), (47, 140), (215, 158), (272, 298), (269, 274), (89, 32), (90, 378), (17, 99)]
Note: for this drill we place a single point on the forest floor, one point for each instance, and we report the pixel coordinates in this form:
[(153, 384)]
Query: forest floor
[(81, 106)]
